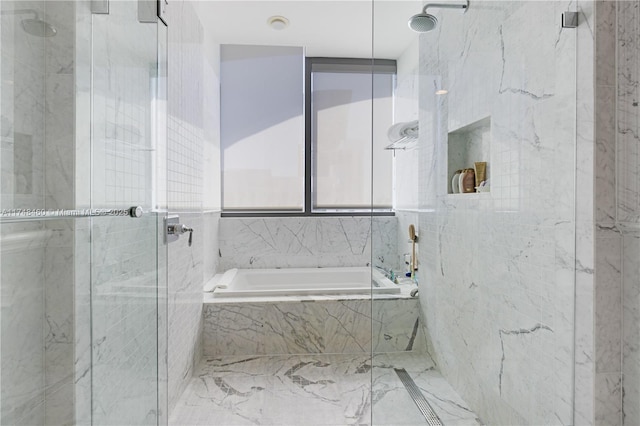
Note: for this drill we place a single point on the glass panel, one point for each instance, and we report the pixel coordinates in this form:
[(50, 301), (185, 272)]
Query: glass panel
[(262, 127), (622, 260), (124, 253), (492, 92), (160, 182), (288, 362), (36, 256)]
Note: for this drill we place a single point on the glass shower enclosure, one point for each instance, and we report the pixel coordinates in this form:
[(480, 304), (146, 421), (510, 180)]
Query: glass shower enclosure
[(82, 275), (83, 278), (489, 90)]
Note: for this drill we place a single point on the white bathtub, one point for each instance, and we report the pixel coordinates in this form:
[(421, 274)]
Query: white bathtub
[(301, 282)]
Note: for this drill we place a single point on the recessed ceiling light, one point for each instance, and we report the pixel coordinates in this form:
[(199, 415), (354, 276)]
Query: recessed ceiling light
[(278, 22)]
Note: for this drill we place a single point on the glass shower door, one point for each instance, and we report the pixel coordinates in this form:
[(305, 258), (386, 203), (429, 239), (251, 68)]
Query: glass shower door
[(490, 333), (37, 339), (126, 94)]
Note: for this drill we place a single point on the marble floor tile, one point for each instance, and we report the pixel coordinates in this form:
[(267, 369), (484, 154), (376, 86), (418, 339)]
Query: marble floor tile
[(324, 389)]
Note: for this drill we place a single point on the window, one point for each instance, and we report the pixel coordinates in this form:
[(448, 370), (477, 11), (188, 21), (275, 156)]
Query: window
[(287, 154), (351, 111), (262, 128)]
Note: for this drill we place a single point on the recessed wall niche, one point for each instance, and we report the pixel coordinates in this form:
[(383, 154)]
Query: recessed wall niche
[(467, 145)]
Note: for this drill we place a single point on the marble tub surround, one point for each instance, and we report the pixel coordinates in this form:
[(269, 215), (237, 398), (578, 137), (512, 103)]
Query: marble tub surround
[(312, 326), (324, 389), (405, 284), (307, 242)]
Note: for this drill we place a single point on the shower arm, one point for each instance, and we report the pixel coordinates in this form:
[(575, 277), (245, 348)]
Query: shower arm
[(464, 6)]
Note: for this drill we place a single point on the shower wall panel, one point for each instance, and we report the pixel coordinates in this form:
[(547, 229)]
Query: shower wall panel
[(497, 269)]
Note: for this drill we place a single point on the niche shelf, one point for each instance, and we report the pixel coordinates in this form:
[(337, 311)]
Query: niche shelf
[(467, 145)]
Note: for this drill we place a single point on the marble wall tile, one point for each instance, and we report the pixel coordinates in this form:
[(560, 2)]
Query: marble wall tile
[(496, 272), (211, 258), (627, 111), (312, 327), (301, 242), (82, 324), (124, 314), (81, 194), (59, 149), (605, 155), (59, 332), (163, 322), (23, 119), (631, 327), (608, 398), (585, 311), (22, 260), (37, 156), (59, 194), (397, 326), (608, 301), (608, 241), (184, 307), (274, 328), (23, 353), (628, 211)]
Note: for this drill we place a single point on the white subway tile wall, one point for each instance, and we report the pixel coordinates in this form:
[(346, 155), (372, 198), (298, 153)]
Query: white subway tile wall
[(122, 100)]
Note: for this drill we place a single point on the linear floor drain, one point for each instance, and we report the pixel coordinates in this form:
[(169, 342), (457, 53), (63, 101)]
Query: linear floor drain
[(418, 397)]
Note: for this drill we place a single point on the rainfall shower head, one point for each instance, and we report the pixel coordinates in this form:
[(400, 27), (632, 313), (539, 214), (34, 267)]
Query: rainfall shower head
[(38, 28), (424, 22), (34, 25)]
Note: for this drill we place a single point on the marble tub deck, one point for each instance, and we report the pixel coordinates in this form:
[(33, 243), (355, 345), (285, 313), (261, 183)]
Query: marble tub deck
[(318, 389)]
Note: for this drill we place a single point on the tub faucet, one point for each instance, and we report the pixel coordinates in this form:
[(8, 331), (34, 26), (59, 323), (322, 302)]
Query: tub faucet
[(389, 274)]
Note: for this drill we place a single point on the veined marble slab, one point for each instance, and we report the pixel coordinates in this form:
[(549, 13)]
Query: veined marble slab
[(307, 242), (316, 390), (328, 326)]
